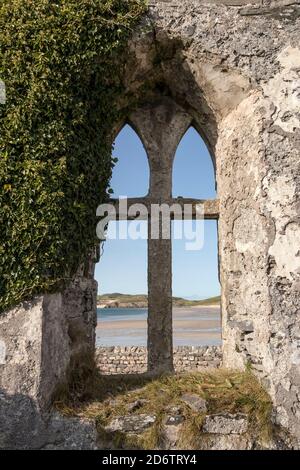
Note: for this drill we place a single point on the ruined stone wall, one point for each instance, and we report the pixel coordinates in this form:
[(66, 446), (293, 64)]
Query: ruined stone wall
[(38, 341), (133, 359), (233, 67), (260, 235)]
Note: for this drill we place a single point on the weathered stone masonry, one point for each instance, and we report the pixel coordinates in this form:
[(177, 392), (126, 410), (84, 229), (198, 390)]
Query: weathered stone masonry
[(132, 360), (231, 68)]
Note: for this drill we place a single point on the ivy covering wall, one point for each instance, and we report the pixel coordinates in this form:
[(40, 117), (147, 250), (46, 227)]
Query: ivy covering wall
[(61, 65)]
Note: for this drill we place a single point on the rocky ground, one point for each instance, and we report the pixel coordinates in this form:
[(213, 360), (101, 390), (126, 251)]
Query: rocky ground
[(204, 410)]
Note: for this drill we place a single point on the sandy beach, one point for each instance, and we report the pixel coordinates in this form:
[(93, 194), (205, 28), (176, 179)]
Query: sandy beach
[(193, 326)]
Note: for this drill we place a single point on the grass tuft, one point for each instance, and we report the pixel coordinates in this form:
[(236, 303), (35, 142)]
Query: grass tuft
[(103, 398)]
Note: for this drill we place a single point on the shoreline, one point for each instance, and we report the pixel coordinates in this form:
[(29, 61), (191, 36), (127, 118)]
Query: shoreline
[(192, 326), (146, 307)]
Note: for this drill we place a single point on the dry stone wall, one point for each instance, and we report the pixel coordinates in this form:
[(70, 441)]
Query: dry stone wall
[(133, 359)]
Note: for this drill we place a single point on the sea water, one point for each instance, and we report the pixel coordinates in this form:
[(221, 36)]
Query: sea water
[(127, 327)]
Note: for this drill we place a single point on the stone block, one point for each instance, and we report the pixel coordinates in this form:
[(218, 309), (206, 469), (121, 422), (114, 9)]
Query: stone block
[(195, 402), (131, 423), (226, 423)]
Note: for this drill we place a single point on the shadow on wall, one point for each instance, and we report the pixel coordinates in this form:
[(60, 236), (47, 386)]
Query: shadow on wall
[(23, 426)]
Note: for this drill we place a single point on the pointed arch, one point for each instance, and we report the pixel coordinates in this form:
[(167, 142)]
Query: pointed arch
[(130, 176), (193, 168)]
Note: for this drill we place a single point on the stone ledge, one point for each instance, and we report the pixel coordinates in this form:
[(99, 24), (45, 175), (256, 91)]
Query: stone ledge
[(273, 7)]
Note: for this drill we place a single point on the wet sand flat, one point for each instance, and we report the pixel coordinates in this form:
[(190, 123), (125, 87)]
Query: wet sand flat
[(193, 326), (142, 324)]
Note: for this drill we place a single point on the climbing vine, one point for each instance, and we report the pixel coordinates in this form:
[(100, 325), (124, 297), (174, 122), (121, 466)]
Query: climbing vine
[(61, 62)]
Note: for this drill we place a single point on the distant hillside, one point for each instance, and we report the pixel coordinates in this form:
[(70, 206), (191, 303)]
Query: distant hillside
[(210, 301), (116, 300)]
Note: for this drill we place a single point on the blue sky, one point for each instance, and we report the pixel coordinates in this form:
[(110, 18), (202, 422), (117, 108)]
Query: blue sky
[(123, 265)]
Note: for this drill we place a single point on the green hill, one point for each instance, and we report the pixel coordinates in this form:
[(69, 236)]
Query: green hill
[(210, 301), (116, 299)]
